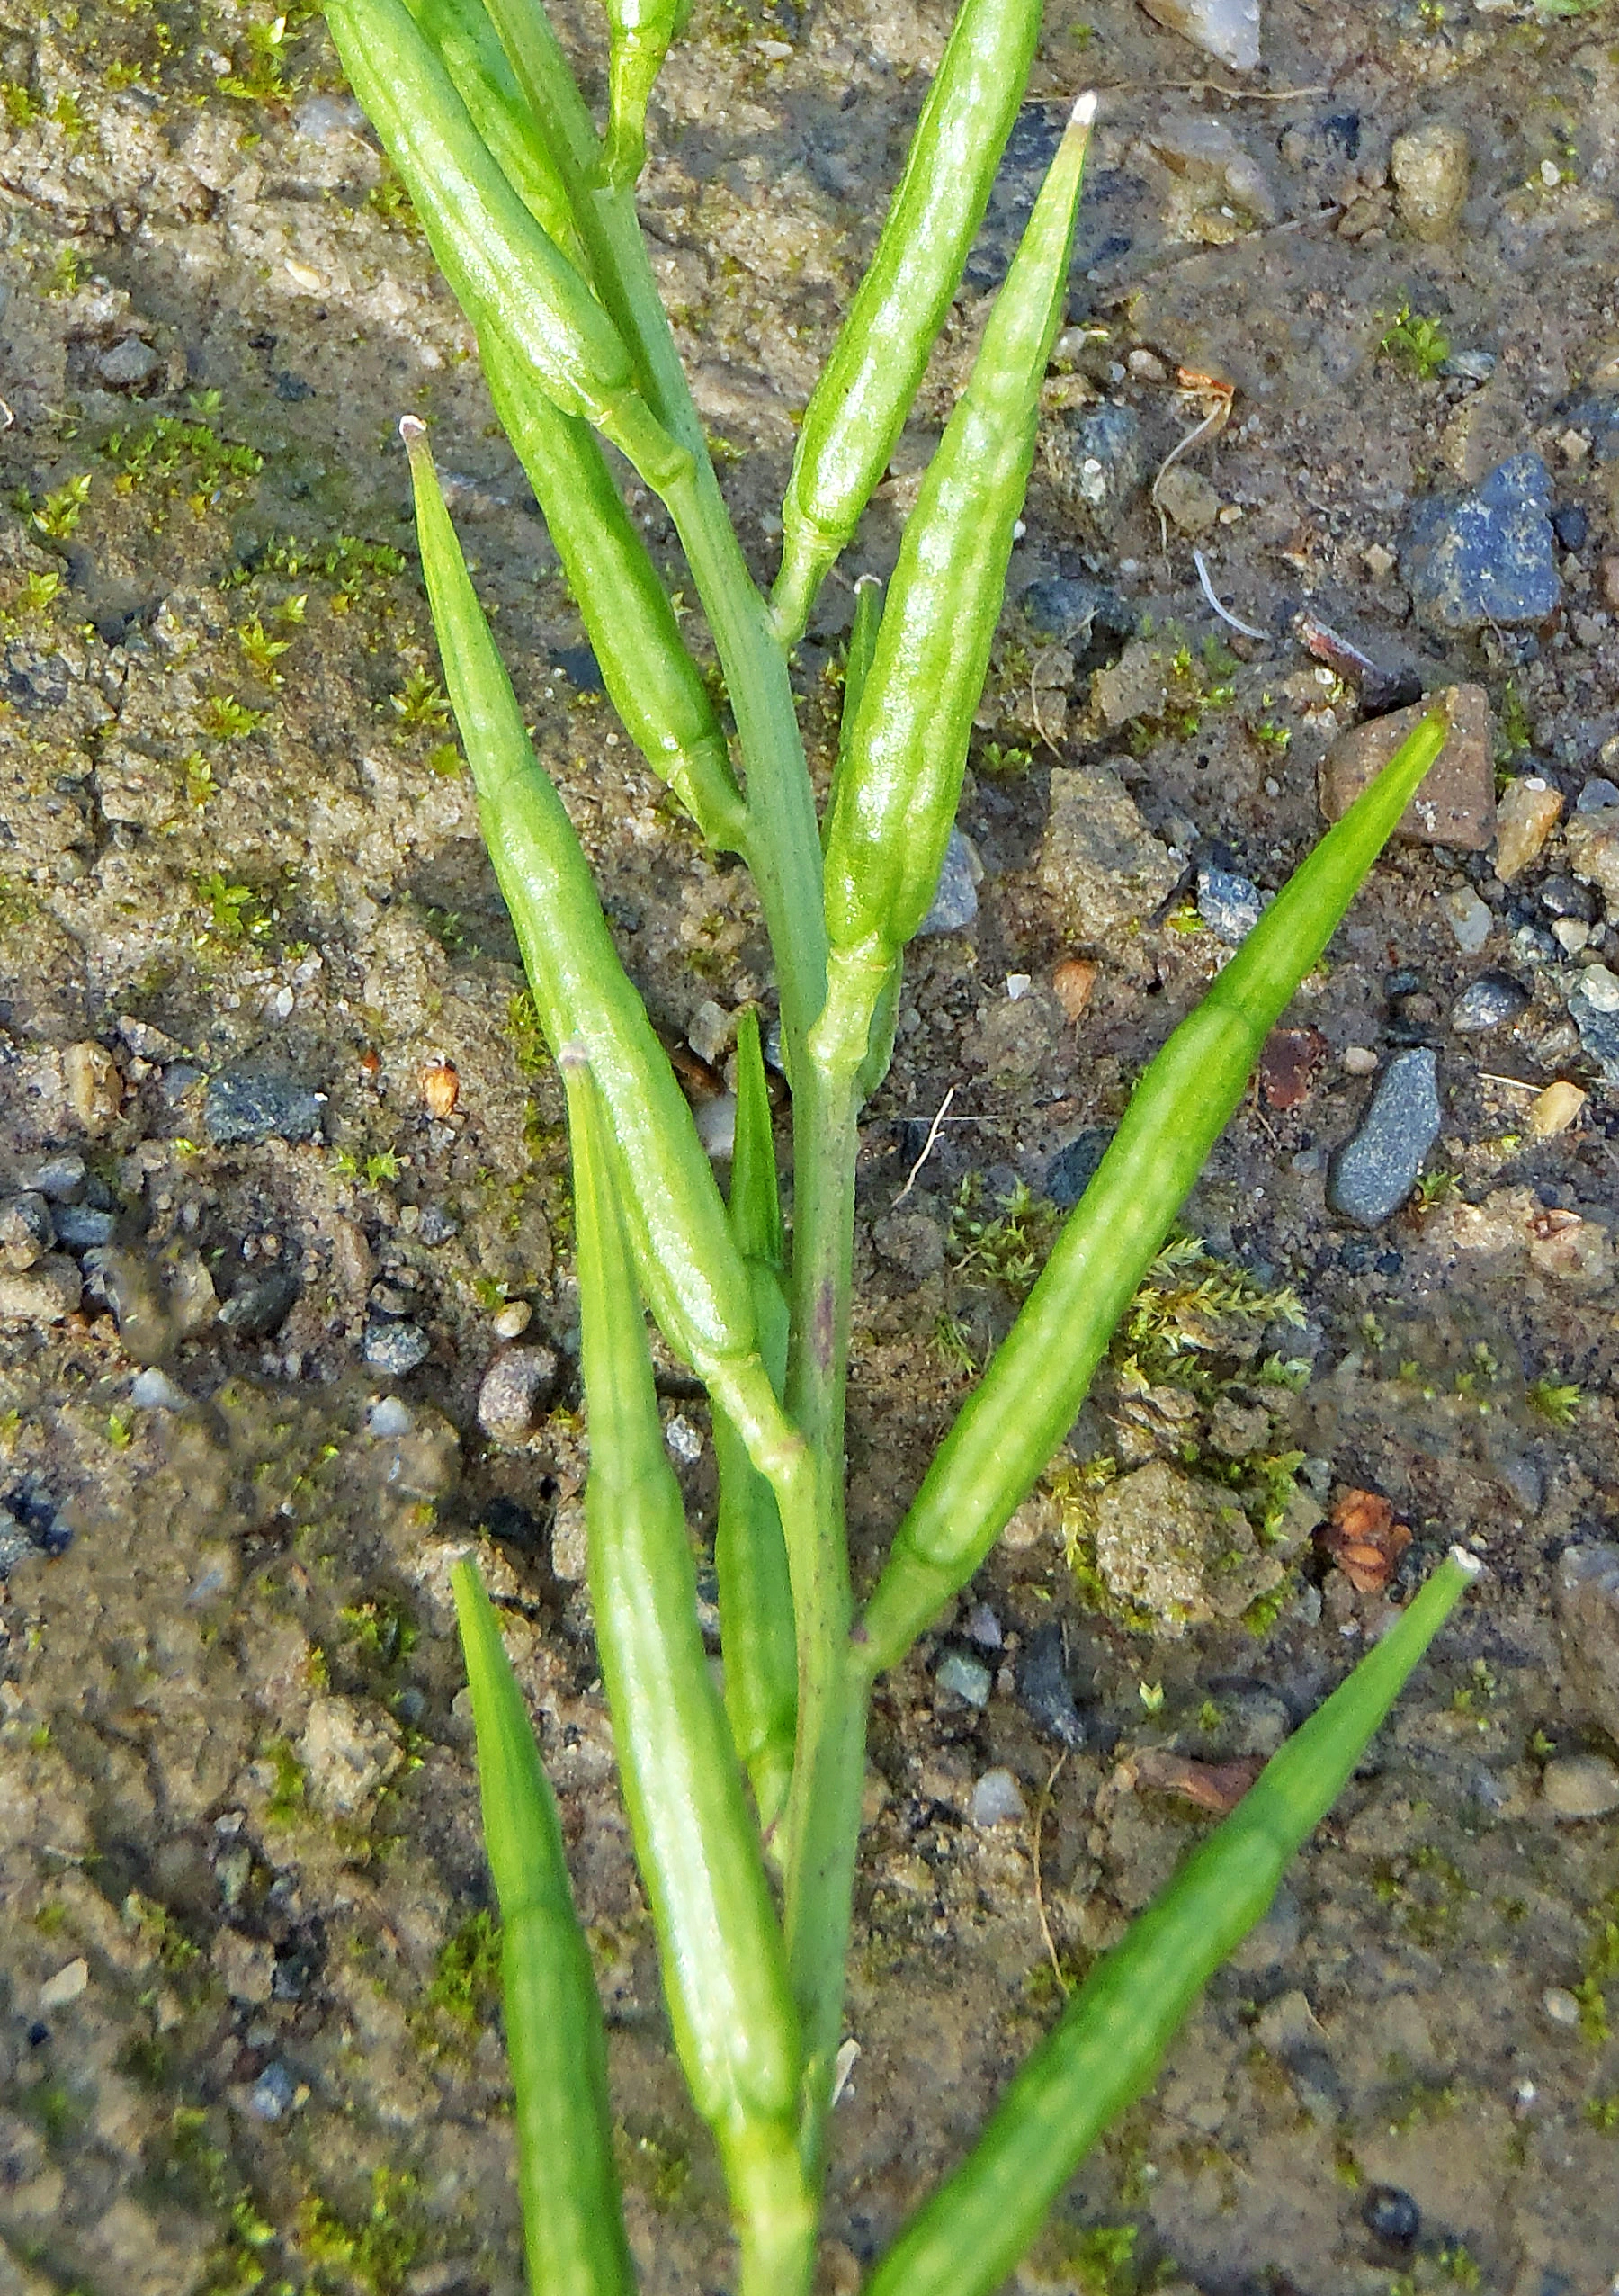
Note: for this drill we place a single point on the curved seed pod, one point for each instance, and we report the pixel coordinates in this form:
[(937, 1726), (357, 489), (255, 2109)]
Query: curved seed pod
[(506, 272), (756, 1631), (691, 1269), (724, 1965), (654, 684), (1017, 1416), (901, 777), (638, 36), (860, 404), (1106, 2047), (573, 2222), (467, 46)]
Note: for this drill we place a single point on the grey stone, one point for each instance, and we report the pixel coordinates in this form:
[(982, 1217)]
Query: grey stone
[(1488, 558), (968, 1678), (1227, 905), (516, 1388), (1186, 499), (1594, 795), (250, 1104), (1582, 1785), (16, 1541), (127, 364), (1488, 1002), (1098, 463), (80, 1227), (1072, 1169), (997, 1800), (1101, 865), (395, 1349), (1071, 611), (1042, 1687), (1592, 837), (1563, 897), (271, 2097), (348, 1752), (1431, 167), (1180, 1548), (955, 902), (59, 1176), (154, 1390), (1598, 1032), (1470, 918), (712, 1032), (262, 1305), (26, 1231), (1587, 1599), (1227, 30), (46, 1293), (388, 1416), (1375, 1171)]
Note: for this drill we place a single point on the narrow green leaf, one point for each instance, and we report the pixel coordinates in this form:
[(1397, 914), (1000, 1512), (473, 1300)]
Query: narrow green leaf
[(859, 406), (1106, 2047), (508, 276), (573, 2219), (724, 1965), (1014, 1420)]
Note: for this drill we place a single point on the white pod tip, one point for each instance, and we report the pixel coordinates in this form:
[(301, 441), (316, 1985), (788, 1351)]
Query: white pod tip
[(1471, 1564), (411, 428), (1084, 110)]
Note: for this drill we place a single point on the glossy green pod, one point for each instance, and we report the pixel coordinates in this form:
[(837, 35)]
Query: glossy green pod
[(1106, 2047), (639, 34), (724, 1965), (899, 779), (573, 2219), (1014, 1420), (858, 409), (651, 679), (508, 276)]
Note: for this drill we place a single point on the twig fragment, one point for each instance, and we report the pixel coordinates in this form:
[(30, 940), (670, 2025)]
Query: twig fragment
[(1246, 629), (934, 1130)]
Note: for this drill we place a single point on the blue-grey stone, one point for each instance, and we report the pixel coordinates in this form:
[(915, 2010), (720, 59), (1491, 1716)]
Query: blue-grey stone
[(968, 1678), (252, 1104), (154, 1390), (395, 1349), (1227, 905), (79, 1227), (1488, 1002), (1600, 417), (1489, 558), (1071, 613), (1098, 462), (435, 1225), (1598, 1033), (1072, 1169), (61, 1175), (1042, 1687), (1533, 944), (1374, 1171), (1593, 798), (271, 2094), (262, 1305), (16, 1542), (955, 903), (1567, 897)]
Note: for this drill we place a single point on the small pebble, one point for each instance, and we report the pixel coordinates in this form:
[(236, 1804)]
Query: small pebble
[(717, 1125), (1227, 905), (1359, 1060), (441, 1089), (983, 1627), (251, 1104), (1600, 988), (1490, 1003), (955, 902), (513, 1320), (516, 1389), (1042, 1687), (1567, 897), (68, 1982), (1391, 2216), (154, 1390), (26, 1231), (1072, 984), (81, 1228), (712, 1032), (1373, 1173), (1469, 919), (271, 2094), (1555, 1110), (435, 1225), (684, 1440), (1582, 1785), (1559, 2006), (997, 1799), (1595, 797), (1072, 1169), (968, 1678), (1526, 814), (1570, 934), (61, 1177), (395, 1349), (1018, 985), (388, 1416), (262, 1305), (94, 1083)]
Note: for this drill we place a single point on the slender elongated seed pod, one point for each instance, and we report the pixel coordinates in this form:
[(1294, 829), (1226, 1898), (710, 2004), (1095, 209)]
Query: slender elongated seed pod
[(857, 669), (1014, 1420), (507, 272), (900, 779), (1107, 2045), (756, 1631), (459, 33), (654, 685), (860, 404), (638, 33), (573, 2219), (691, 1269), (724, 1965)]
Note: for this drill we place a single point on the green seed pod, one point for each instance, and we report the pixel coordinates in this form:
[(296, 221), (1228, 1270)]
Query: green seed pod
[(639, 35), (506, 274), (724, 1966), (573, 2222), (861, 402), (654, 684), (469, 48), (900, 779)]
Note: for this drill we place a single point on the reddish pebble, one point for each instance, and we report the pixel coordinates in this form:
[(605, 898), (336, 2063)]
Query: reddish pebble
[(1288, 1065), (441, 1087), (1072, 984)]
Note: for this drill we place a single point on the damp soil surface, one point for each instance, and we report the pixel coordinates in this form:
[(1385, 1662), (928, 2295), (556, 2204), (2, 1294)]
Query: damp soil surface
[(248, 1965)]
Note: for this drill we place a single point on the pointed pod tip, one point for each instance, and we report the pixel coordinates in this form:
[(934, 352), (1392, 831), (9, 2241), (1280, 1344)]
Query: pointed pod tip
[(1084, 111), (1471, 1564), (412, 430)]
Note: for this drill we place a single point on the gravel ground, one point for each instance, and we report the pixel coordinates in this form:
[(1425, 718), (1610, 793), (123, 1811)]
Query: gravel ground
[(282, 1172)]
